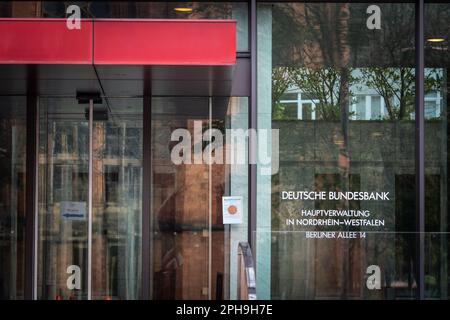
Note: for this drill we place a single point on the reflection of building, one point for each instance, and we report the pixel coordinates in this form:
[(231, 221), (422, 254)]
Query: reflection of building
[(183, 227), (117, 207)]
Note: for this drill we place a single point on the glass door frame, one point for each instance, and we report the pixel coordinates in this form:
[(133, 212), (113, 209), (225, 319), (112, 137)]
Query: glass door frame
[(90, 195), (32, 201), (147, 224), (36, 118)]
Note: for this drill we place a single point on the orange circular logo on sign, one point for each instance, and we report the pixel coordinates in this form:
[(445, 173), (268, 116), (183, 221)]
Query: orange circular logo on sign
[(232, 209)]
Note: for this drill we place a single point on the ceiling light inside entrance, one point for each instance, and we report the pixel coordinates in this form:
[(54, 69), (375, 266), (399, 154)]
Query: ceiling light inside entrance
[(183, 9), (435, 39)]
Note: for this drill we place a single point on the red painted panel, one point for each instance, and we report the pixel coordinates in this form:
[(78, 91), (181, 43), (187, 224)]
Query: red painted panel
[(123, 41), (165, 42), (44, 41)]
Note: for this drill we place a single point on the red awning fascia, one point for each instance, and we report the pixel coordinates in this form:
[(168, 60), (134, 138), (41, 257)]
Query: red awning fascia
[(45, 41), (118, 42)]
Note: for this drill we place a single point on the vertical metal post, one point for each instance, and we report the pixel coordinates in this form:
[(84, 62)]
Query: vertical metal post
[(420, 148), (210, 203), (36, 202), (252, 125), (91, 133), (147, 221), (30, 191), (445, 195)]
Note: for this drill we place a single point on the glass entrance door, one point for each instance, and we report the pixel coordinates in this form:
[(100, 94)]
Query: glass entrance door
[(193, 251), (182, 201), (90, 227), (83, 255)]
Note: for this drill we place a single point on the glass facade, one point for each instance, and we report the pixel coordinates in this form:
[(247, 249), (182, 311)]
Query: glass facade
[(12, 196), (192, 255), (63, 197), (351, 128), (436, 135), (342, 96), (332, 208)]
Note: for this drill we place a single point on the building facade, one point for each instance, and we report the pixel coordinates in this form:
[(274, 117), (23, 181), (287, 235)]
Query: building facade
[(121, 136)]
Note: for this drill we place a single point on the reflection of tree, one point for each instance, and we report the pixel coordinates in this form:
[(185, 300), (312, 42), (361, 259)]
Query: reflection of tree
[(281, 81), (397, 87), (393, 83), (323, 84)]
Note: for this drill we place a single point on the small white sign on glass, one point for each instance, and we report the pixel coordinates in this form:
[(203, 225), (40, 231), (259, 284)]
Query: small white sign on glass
[(71, 210), (232, 209)]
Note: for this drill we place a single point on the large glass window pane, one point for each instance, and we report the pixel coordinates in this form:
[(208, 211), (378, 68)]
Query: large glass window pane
[(230, 178), (437, 71), (194, 254), (12, 196), (63, 200), (117, 200), (351, 136)]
